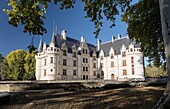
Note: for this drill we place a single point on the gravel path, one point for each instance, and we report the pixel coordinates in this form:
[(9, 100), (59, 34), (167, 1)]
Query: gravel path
[(122, 98)]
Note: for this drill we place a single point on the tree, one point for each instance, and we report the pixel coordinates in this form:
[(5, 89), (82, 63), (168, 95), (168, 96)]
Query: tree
[(155, 72), (29, 66), (14, 65), (19, 65), (31, 13), (144, 26), (1, 62)]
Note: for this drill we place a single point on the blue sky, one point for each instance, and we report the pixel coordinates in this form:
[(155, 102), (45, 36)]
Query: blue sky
[(72, 20)]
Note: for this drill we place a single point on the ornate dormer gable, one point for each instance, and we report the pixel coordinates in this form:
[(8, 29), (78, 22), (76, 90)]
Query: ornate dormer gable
[(74, 50), (64, 46), (94, 53), (123, 48), (84, 47), (64, 49), (131, 47), (112, 53), (74, 47), (101, 54)]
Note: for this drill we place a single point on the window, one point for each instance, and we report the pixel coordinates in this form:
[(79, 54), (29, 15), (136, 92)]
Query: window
[(94, 73), (123, 62), (94, 65), (74, 54), (133, 71), (86, 68), (86, 51), (94, 57), (83, 60), (74, 63), (131, 49), (51, 70), (44, 72), (140, 50), (132, 65), (64, 62), (51, 48), (64, 53), (51, 59), (83, 68), (132, 60), (64, 72), (124, 54), (102, 73), (74, 72), (83, 51), (101, 65), (86, 60), (124, 72), (112, 64), (112, 56), (45, 61), (101, 57)]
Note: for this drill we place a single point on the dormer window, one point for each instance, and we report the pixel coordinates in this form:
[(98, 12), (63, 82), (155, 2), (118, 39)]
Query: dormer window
[(94, 57), (112, 56), (86, 51), (131, 49), (83, 51), (101, 57), (64, 53), (124, 54), (74, 54)]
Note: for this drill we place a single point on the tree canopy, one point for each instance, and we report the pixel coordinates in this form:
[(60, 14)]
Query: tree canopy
[(31, 13), (19, 65), (144, 26)]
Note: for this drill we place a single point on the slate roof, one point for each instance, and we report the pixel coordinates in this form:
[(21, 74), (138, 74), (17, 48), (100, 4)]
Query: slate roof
[(117, 45), (71, 42), (40, 47)]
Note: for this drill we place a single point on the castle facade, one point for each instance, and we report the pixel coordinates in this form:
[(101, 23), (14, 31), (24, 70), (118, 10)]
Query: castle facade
[(66, 58)]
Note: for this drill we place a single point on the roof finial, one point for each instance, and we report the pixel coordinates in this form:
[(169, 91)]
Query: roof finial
[(54, 29)]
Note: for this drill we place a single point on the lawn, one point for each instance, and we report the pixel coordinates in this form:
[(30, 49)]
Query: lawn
[(120, 98)]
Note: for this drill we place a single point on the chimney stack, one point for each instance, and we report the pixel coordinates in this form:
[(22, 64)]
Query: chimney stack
[(82, 39), (63, 33), (99, 44), (113, 38), (119, 36)]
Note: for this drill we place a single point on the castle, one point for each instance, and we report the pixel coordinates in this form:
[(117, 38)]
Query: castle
[(66, 58)]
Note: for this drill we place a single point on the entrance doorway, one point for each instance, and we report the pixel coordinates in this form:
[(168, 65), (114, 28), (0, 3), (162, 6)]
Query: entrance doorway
[(112, 76)]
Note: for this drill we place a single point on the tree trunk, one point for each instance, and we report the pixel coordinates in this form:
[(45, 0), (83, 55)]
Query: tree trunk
[(164, 102)]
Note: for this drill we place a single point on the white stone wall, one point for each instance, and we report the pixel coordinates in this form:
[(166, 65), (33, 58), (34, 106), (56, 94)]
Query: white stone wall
[(54, 71)]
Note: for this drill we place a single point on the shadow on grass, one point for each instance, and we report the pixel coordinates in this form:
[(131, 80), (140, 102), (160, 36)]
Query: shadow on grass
[(121, 98)]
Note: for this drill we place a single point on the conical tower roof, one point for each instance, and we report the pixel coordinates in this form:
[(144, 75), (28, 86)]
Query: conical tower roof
[(40, 47)]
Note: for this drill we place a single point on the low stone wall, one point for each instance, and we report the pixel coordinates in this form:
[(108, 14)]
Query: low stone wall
[(19, 86)]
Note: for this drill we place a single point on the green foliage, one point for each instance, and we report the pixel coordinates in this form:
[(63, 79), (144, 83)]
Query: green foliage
[(29, 66), (144, 26), (31, 13), (19, 65), (155, 72)]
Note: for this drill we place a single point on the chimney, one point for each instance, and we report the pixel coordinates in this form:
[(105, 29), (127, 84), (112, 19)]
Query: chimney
[(99, 44), (119, 36), (63, 33), (113, 38), (82, 38)]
